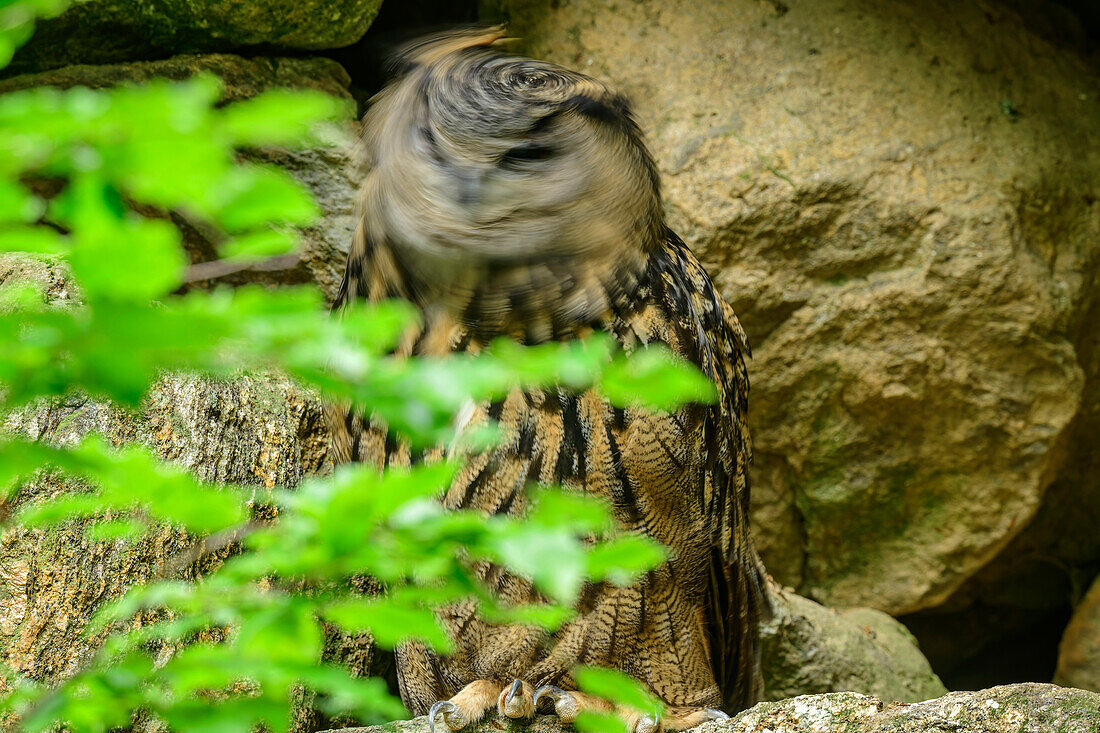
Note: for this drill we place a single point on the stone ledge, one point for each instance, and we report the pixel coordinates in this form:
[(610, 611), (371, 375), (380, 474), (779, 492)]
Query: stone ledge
[(1030, 707)]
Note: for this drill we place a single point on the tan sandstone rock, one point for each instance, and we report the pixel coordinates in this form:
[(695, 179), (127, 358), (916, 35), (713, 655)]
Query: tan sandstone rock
[(901, 204)]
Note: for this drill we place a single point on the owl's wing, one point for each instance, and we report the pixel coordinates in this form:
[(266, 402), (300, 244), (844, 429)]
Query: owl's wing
[(371, 274), (739, 600), (711, 337)]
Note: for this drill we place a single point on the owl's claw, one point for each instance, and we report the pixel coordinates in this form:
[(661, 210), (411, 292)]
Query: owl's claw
[(516, 701), (453, 719), (715, 714), (564, 704)]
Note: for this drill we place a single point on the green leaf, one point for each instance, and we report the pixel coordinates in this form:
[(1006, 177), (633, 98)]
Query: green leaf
[(116, 529), (38, 239), (377, 327), (281, 633), (259, 244), (578, 512), (139, 259), (619, 688), (389, 621), (551, 558), (255, 196), (542, 615), (17, 204), (590, 721), (281, 116), (366, 698), (62, 509), (655, 378), (623, 559)]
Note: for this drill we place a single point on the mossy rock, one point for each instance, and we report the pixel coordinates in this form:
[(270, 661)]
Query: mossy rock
[(106, 31)]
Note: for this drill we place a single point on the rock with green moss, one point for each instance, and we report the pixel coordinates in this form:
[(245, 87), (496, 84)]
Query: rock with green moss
[(105, 31)]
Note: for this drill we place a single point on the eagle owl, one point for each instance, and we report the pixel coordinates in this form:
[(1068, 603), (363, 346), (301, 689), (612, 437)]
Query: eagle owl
[(507, 196)]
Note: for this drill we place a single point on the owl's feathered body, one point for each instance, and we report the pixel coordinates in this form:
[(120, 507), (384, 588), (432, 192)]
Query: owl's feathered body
[(506, 196)]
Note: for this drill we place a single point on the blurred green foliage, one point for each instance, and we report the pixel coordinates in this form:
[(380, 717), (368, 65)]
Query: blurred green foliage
[(226, 653)]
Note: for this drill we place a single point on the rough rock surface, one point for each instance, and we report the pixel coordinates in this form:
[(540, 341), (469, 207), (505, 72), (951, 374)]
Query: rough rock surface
[(901, 203), (325, 170), (255, 430), (103, 31), (252, 430), (808, 648), (1079, 652), (1033, 708)]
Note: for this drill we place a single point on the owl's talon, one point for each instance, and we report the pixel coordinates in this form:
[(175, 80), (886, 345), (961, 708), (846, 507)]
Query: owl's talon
[(646, 724), (453, 719), (516, 701), (715, 714), (565, 706)]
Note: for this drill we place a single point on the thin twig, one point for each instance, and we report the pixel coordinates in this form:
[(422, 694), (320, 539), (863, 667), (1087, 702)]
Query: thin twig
[(220, 268)]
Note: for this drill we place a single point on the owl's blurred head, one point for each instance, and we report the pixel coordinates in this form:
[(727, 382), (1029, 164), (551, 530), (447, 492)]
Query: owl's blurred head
[(484, 165)]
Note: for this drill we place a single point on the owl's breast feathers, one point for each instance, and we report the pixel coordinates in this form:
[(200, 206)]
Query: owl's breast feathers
[(681, 478)]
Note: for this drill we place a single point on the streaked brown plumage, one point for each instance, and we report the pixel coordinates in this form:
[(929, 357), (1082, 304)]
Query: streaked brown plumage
[(509, 196)]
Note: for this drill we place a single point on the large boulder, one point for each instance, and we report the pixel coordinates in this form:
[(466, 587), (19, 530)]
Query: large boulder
[(104, 31), (1033, 708), (262, 431), (901, 204), (326, 170)]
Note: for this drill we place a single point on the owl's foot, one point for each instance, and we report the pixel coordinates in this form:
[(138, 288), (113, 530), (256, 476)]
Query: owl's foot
[(517, 701), (467, 706), (568, 705)]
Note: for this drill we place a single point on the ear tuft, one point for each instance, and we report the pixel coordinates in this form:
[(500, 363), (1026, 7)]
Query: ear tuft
[(429, 49)]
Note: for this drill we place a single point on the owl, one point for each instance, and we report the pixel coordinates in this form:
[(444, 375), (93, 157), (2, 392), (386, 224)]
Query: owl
[(505, 196)]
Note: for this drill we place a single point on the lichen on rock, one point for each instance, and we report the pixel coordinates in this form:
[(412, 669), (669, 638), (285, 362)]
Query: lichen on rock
[(1035, 708)]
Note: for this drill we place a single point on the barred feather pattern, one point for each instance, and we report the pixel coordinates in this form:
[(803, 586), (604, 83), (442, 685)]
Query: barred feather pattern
[(688, 628)]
